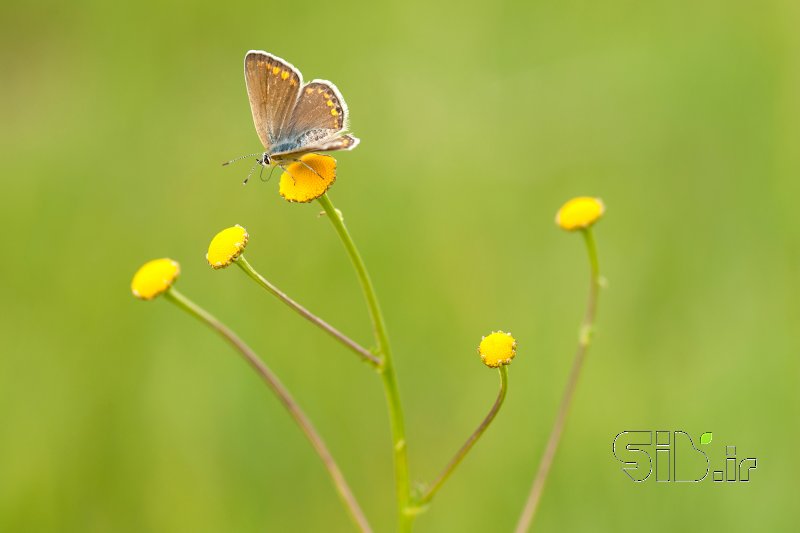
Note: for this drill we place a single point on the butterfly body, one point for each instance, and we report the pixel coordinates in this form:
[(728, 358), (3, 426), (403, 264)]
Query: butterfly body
[(292, 118)]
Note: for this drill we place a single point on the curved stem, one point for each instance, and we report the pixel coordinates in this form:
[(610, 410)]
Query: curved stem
[(286, 399), (459, 456), (388, 376), (362, 352), (532, 504)]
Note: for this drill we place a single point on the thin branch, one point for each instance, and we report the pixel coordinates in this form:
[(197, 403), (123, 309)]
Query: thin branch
[(362, 352), (388, 376), (532, 504), (459, 456), (286, 399)]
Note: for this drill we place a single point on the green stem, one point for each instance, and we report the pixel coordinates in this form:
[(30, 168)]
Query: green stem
[(436, 485), (388, 376), (272, 381), (585, 339), (362, 352)]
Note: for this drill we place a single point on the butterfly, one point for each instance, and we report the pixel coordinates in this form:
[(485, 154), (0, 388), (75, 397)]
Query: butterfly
[(292, 118)]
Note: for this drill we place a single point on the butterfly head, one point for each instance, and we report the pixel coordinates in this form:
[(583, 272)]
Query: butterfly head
[(264, 160)]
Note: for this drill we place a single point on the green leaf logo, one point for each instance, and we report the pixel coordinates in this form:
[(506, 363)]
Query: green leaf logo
[(706, 437)]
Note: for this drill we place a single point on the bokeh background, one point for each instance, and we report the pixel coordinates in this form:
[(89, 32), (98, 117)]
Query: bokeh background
[(478, 119)]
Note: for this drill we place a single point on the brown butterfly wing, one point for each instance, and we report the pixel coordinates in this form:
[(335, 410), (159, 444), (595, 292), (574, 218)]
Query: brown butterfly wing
[(320, 112), (343, 142), (273, 86)]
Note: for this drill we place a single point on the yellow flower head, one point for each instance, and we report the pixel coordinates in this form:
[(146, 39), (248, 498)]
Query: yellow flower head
[(154, 277), (580, 213), (301, 184), (227, 246), (497, 349)]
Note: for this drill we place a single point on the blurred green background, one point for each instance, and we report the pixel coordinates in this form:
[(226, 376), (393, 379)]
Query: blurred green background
[(477, 121)]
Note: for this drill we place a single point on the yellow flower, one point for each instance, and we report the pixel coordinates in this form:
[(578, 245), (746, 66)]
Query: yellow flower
[(580, 213), (300, 184), (227, 246), (497, 349), (154, 277)]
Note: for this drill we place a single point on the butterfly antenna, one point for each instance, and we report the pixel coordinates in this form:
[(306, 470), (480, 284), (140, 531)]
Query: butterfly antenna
[(226, 163), (249, 174)]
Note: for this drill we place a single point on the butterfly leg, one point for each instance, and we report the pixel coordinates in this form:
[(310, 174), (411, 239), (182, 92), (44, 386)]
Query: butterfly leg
[(294, 181), (308, 167), (270, 174)]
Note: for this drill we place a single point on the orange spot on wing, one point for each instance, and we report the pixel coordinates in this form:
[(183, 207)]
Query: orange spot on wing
[(284, 75), (275, 70)]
